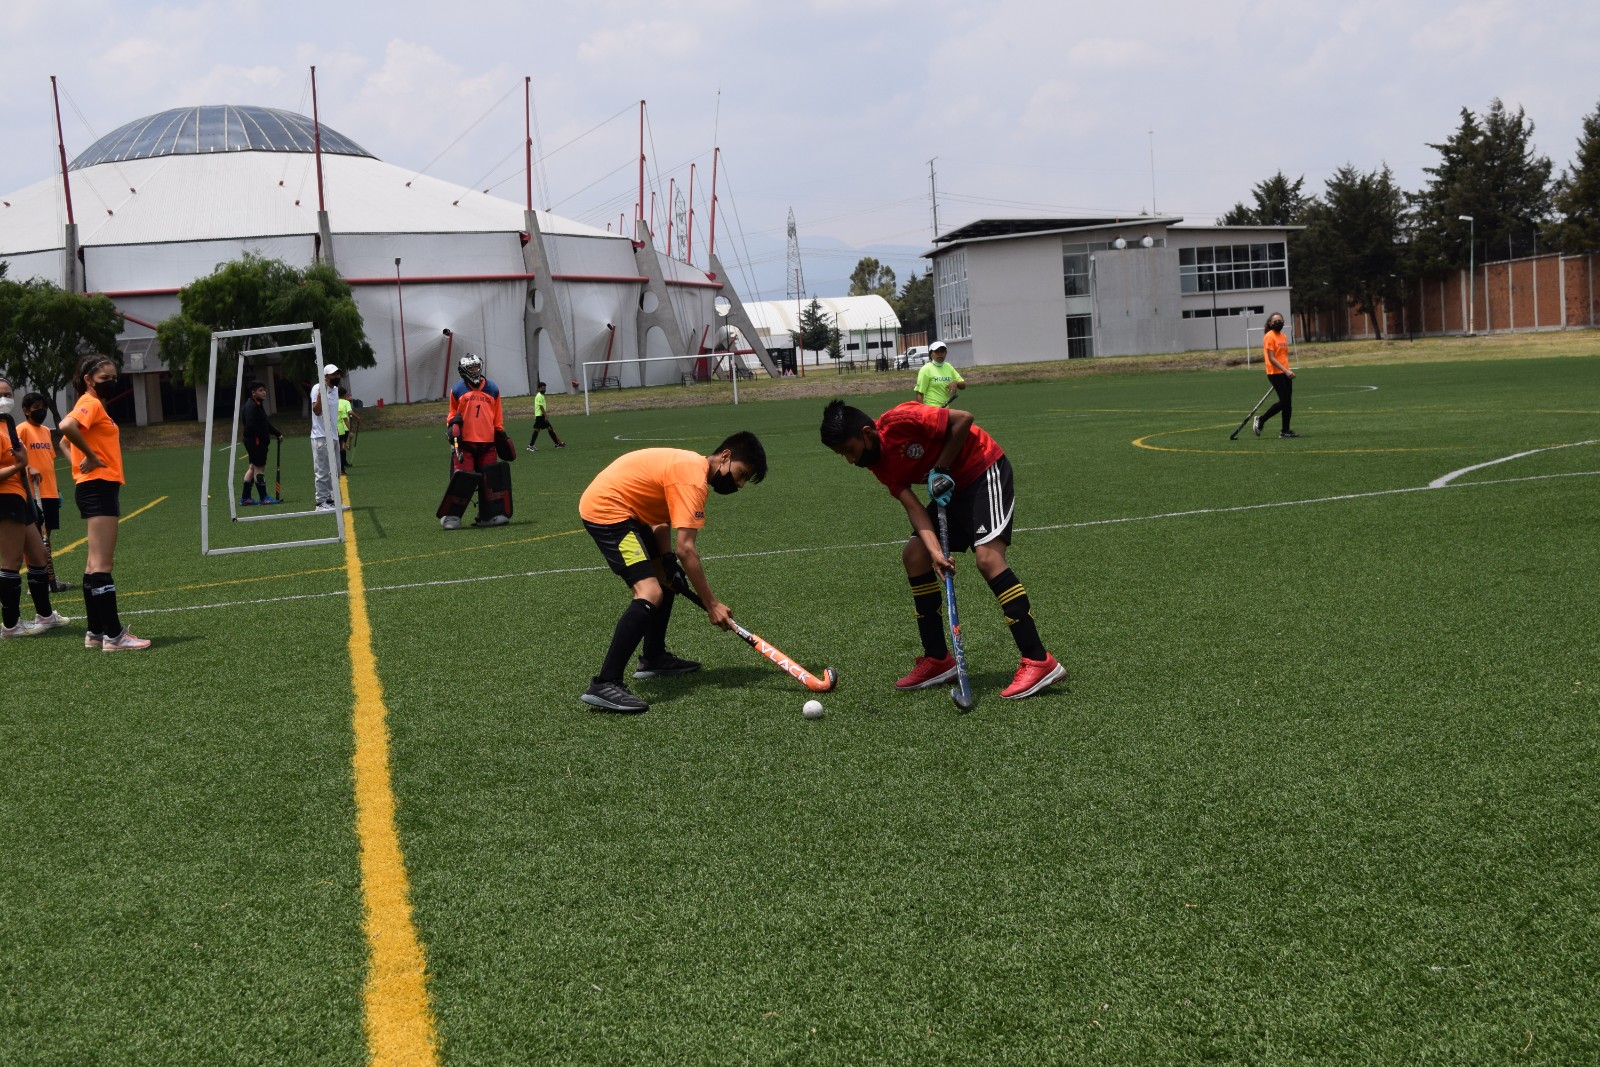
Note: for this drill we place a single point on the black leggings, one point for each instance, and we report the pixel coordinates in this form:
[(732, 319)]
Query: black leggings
[(1283, 385)]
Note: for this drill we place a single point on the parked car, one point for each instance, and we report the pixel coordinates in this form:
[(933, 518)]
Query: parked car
[(913, 357)]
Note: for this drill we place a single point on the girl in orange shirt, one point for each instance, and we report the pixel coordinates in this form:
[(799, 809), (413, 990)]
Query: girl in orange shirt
[(97, 470), (19, 536)]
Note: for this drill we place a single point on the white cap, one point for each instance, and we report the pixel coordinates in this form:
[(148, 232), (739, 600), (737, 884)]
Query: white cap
[(329, 369), (937, 346)]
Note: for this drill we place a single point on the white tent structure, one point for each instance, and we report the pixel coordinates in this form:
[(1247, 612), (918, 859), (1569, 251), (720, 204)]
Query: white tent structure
[(437, 269), (868, 325)]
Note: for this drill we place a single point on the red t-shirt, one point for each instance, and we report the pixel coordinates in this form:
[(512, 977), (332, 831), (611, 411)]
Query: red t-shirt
[(913, 435)]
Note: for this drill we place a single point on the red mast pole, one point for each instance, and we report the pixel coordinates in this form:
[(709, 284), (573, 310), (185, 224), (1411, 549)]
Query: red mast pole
[(711, 247), (527, 134), (316, 139), (672, 210), (638, 208), (688, 253), (61, 144)]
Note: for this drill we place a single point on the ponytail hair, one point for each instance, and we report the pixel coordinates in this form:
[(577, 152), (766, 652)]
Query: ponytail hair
[(86, 366)]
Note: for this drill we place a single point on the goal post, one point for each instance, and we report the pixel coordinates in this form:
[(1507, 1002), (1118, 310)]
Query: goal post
[(733, 360), (329, 441)]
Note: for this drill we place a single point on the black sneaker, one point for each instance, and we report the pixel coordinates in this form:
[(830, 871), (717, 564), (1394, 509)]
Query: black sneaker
[(1288, 433), (612, 696), (1255, 424), (666, 663)]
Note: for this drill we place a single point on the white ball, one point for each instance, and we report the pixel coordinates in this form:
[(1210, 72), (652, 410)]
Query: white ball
[(812, 710)]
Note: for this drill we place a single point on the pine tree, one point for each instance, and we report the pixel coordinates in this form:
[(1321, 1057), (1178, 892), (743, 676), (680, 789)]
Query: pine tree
[(1577, 195)]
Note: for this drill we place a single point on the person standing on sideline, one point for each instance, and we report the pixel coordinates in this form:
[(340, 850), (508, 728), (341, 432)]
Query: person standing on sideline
[(967, 474), (347, 415), (255, 429), (97, 468), (476, 416), (542, 422), (19, 535), (630, 509), (40, 441), (938, 382), (1275, 356), (327, 389)]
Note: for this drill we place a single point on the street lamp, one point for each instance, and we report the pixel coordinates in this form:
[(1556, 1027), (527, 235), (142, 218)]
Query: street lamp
[(1472, 269)]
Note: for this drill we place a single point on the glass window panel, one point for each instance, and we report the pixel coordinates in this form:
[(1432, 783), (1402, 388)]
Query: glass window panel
[(1258, 253), (1241, 253), (1260, 279), (1225, 282), (1203, 255), (1276, 249), (1190, 283), (1185, 257), (1224, 255), (1280, 279)]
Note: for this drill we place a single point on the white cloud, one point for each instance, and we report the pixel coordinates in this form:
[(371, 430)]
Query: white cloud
[(655, 38)]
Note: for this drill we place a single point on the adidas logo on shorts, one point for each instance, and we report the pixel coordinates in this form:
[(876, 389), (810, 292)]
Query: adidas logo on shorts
[(983, 529)]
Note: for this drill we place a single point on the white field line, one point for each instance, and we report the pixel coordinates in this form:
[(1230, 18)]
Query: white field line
[(1445, 479), (892, 544)]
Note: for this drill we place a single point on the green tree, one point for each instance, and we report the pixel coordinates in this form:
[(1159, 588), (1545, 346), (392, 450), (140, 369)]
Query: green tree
[(255, 291), (45, 330), (1577, 193), (1279, 202), (814, 331), (871, 278), (1352, 253), (1489, 171), (914, 306)]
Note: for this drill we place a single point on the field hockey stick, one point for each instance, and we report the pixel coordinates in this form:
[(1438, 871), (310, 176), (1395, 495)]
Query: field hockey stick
[(44, 535), (277, 476), (678, 582), (1234, 436), (962, 693)]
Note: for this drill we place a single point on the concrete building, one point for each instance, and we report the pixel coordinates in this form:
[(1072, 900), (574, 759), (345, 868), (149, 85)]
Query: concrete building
[(1030, 290), (867, 325)]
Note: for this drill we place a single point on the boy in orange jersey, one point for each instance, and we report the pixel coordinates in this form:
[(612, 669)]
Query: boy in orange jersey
[(1275, 356), (629, 509), (475, 418)]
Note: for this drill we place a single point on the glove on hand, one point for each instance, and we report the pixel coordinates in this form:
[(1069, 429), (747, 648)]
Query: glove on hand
[(941, 486)]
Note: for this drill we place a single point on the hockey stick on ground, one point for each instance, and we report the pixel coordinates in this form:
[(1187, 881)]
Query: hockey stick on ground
[(1234, 436), (56, 585), (679, 583), (962, 693)]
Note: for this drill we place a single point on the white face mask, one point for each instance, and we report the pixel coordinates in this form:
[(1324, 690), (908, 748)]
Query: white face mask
[(6, 404)]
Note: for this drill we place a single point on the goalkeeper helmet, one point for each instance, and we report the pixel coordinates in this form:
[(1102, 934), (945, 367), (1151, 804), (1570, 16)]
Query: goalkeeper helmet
[(471, 368)]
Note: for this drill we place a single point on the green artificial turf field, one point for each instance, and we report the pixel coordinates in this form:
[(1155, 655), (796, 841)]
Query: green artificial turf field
[(1322, 786)]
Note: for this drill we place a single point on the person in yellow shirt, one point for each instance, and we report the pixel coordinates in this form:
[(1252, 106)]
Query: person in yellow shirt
[(630, 510), (541, 421), (938, 382), (1275, 356)]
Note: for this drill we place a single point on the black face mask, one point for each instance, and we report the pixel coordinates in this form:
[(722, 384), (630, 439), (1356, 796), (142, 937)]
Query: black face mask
[(1275, 326), (724, 483), (870, 455), (36, 417), (335, 382), (107, 389)]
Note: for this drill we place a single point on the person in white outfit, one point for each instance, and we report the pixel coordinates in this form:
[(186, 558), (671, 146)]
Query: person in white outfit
[(324, 403)]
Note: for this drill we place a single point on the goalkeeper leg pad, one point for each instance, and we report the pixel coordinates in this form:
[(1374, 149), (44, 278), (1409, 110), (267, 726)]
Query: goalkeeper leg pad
[(458, 494), (495, 500)]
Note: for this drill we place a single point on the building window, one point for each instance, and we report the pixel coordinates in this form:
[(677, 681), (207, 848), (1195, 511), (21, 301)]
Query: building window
[(1075, 265), (1223, 313), (1233, 268), (1080, 336), (950, 295)]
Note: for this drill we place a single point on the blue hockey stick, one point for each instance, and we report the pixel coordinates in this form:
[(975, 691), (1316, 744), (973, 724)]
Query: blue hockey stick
[(962, 693)]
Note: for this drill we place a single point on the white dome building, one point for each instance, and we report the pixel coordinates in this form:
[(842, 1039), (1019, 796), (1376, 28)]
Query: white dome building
[(166, 199)]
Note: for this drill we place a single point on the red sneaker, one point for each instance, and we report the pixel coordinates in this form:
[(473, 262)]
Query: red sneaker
[(1032, 676), (929, 671)]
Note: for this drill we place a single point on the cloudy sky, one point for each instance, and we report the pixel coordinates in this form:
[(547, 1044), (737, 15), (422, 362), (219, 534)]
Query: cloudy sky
[(830, 107)]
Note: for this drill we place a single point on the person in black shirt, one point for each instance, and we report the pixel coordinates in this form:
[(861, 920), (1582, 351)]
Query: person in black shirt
[(255, 431)]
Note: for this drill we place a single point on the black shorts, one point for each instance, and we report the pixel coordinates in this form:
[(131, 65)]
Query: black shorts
[(98, 497), (256, 450), (984, 511), (541, 423), (14, 508), (629, 548), (51, 505)]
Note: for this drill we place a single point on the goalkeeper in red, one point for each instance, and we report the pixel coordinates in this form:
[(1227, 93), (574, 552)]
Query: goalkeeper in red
[(968, 474)]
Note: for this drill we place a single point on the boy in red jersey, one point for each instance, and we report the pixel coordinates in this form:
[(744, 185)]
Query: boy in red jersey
[(968, 474)]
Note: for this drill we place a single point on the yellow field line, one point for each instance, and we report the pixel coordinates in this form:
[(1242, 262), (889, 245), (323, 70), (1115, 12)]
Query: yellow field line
[(399, 1020), (68, 548)]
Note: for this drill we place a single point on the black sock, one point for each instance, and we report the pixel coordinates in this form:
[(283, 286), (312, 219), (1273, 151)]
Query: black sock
[(1019, 616), (927, 600), (39, 589), (91, 605), (655, 638), (631, 628), (244, 490), (104, 604), (10, 598), (261, 486)]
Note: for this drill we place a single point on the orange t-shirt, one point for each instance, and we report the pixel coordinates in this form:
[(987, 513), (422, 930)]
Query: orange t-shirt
[(1275, 352), (41, 456), (103, 437), (13, 484), (654, 485)]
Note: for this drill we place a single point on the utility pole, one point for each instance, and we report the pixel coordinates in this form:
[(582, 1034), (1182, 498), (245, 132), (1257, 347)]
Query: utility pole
[(933, 190)]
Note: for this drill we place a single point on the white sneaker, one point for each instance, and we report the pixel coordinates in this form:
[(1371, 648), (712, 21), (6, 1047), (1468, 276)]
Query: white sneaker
[(93, 640), (451, 522), (125, 642), (532, 448), (325, 506), (23, 628), (51, 621), (498, 520)]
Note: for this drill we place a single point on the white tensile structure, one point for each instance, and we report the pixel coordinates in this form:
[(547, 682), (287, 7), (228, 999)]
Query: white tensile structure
[(437, 269), (868, 325)]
